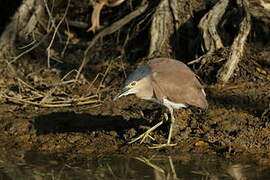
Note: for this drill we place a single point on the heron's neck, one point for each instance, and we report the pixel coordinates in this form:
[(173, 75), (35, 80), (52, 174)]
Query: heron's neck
[(145, 90)]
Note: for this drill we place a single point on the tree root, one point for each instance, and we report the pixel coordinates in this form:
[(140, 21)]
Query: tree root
[(23, 23), (161, 30), (208, 26), (237, 48), (166, 22), (95, 17)]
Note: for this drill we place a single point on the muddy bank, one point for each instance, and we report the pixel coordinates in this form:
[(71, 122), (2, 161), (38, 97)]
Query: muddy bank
[(47, 106), (237, 121)]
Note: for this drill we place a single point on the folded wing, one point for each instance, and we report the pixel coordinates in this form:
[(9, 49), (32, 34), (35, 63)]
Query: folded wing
[(173, 80)]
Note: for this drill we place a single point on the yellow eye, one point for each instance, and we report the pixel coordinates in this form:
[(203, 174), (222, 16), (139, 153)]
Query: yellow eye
[(132, 84)]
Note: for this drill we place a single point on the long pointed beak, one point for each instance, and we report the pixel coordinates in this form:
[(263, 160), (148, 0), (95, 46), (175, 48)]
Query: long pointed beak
[(121, 93)]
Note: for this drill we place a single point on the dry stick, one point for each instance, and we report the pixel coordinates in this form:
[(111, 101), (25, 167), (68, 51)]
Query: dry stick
[(67, 41), (103, 78), (208, 26), (19, 100), (109, 30), (30, 44), (198, 59), (237, 47), (49, 94), (78, 24), (30, 49), (39, 93), (46, 98), (50, 15), (51, 19), (55, 31)]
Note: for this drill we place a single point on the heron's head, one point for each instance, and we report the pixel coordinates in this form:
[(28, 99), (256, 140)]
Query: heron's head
[(132, 83)]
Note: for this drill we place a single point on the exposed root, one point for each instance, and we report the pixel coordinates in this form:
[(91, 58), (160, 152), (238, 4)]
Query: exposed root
[(208, 26), (95, 18), (96, 15), (162, 29), (23, 24), (260, 10), (172, 33), (237, 48)]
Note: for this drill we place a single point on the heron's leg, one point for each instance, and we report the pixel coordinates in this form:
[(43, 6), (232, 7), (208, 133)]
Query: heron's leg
[(146, 134), (171, 126), (170, 133)]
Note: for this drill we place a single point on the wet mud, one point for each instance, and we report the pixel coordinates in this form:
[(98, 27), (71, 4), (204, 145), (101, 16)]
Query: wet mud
[(237, 121)]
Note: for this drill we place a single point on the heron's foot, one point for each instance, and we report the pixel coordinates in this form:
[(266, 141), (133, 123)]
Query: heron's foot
[(143, 137), (159, 146), (146, 134)]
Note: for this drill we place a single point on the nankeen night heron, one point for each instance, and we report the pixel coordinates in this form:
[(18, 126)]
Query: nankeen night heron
[(168, 82)]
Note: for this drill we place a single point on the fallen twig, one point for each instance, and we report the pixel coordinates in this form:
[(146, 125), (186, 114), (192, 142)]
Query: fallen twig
[(74, 102)]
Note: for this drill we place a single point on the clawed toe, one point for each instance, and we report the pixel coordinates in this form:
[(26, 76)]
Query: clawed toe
[(158, 146), (142, 137), (146, 134)]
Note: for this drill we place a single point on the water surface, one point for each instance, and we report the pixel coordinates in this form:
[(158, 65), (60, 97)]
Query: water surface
[(186, 166)]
